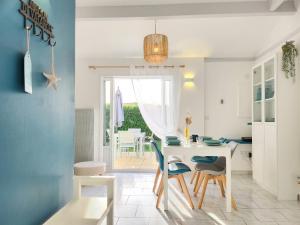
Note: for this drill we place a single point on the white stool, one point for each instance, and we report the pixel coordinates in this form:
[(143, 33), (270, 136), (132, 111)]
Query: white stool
[(89, 168)]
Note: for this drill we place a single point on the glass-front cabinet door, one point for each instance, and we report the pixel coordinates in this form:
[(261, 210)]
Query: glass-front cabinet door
[(269, 90), (264, 88), (257, 94)]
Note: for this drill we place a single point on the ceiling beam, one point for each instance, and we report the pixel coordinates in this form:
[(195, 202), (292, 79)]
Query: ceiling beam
[(174, 10), (275, 4)]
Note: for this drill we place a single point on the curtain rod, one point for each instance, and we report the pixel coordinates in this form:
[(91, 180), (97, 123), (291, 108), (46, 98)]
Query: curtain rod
[(127, 67)]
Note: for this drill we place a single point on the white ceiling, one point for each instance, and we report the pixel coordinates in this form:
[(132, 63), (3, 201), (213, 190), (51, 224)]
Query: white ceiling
[(215, 37), (201, 37)]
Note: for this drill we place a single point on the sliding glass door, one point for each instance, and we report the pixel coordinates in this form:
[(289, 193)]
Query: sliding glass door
[(148, 100)]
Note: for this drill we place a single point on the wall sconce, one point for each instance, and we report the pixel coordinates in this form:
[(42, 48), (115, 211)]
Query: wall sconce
[(189, 80)]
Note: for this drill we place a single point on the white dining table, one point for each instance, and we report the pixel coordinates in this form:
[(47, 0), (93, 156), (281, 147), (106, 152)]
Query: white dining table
[(187, 150)]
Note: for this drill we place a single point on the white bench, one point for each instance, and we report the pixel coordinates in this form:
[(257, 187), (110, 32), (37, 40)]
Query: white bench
[(87, 210)]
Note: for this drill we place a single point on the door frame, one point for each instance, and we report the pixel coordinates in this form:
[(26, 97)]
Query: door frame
[(101, 121)]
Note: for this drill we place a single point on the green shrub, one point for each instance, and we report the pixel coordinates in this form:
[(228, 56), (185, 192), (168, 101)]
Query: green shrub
[(134, 119)]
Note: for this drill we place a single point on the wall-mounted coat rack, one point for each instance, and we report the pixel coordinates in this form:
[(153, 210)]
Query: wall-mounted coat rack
[(39, 21)]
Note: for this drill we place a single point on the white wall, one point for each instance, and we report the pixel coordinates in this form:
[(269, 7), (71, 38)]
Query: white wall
[(87, 95), (286, 28), (230, 81)]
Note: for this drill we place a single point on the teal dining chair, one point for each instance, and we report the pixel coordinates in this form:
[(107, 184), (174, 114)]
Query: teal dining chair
[(205, 160), (171, 159), (175, 170), (216, 171)]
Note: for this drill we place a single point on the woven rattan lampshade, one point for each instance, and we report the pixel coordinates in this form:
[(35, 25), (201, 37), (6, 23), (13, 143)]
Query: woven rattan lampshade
[(155, 48)]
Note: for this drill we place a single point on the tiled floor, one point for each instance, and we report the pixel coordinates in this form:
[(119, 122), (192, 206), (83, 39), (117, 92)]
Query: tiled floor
[(135, 204), (131, 161)]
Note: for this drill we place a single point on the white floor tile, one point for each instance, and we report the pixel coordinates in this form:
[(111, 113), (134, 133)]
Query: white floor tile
[(135, 204), (260, 223), (291, 214), (269, 215), (133, 221), (125, 211)]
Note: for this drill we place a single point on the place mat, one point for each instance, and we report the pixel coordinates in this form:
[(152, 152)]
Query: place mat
[(173, 142), (171, 137), (204, 138)]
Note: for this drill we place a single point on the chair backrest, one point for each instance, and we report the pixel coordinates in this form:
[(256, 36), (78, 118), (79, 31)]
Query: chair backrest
[(222, 140), (135, 130), (221, 161), (126, 137), (158, 154)]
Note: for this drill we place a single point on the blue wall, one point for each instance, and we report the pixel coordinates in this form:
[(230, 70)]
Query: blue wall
[(36, 131)]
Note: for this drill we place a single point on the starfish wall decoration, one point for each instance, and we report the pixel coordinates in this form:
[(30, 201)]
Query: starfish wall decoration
[(52, 79)]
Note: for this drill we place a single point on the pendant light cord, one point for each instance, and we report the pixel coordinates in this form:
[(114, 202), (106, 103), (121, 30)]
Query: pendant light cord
[(155, 26)]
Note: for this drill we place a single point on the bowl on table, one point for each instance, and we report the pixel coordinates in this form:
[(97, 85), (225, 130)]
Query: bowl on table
[(174, 142), (212, 142), (204, 138)]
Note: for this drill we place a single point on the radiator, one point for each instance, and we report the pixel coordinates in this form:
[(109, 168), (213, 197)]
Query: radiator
[(84, 135)]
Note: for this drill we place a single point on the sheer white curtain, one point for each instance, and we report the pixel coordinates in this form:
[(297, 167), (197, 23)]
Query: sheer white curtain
[(157, 92)]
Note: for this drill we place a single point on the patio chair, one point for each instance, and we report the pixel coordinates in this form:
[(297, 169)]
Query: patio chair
[(126, 140), (140, 136), (135, 130)]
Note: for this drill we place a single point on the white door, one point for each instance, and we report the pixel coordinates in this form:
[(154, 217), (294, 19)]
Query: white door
[(106, 121)]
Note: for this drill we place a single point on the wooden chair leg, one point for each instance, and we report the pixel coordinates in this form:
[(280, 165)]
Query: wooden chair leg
[(233, 203), (221, 187), (156, 179), (197, 180), (206, 178), (185, 191), (199, 184), (179, 183), (160, 178), (160, 192), (193, 177)]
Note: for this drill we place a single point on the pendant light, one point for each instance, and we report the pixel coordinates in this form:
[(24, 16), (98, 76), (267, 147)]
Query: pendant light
[(155, 48)]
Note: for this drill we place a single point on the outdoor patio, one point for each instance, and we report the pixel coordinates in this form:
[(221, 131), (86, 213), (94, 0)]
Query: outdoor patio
[(131, 161)]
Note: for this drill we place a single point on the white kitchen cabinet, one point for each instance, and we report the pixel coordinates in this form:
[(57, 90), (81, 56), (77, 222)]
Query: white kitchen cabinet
[(264, 128), (276, 128)]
